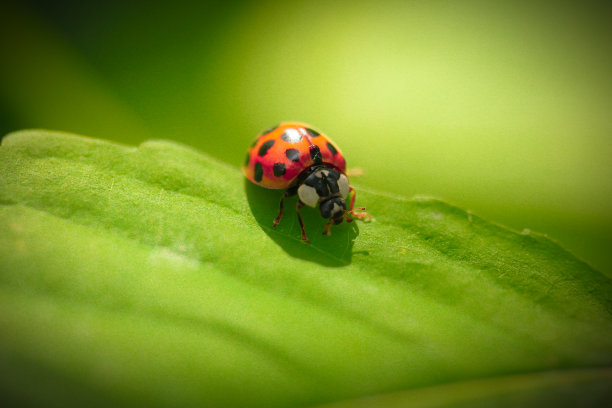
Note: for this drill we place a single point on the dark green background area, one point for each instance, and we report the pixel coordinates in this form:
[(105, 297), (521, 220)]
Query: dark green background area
[(500, 108)]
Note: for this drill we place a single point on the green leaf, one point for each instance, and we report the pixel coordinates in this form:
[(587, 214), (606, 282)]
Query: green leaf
[(151, 275)]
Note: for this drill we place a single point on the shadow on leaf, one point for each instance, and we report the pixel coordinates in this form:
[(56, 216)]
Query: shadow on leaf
[(333, 250)]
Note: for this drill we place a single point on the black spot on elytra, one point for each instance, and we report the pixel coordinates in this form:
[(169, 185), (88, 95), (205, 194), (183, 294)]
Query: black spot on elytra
[(312, 133), (293, 154), (315, 154), (247, 160), (265, 147), (265, 132), (279, 169), (258, 171), (291, 135), (332, 149)]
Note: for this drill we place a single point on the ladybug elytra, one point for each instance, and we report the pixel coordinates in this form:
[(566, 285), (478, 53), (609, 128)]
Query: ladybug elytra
[(294, 156)]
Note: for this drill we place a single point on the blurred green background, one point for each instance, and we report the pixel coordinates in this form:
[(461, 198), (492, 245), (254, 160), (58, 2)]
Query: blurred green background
[(503, 108)]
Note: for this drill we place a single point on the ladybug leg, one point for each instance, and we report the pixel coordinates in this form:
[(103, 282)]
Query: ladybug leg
[(352, 204), (299, 207), (290, 192), (350, 215), (327, 227)]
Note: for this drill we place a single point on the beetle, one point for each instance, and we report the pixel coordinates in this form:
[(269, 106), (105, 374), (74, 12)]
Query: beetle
[(294, 156)]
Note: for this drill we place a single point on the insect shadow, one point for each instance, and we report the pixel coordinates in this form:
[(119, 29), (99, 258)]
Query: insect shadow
[(329, 250)]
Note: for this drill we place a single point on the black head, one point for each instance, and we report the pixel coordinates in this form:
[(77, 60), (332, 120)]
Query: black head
[(333, 208), (327, 187)]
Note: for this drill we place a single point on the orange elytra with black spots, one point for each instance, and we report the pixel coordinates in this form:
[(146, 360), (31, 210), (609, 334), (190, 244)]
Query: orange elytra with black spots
[(307, 163), (279, 154)]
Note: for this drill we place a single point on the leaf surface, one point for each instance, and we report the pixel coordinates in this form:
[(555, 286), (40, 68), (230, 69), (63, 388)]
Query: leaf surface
[(152, 275)]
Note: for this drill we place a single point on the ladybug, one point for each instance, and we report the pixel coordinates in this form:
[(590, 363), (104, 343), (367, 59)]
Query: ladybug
[(294, 156)]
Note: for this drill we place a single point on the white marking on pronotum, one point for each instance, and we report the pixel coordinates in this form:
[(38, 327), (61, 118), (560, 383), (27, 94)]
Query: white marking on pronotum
[(308, 195), (321, 173), (343, 185)]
